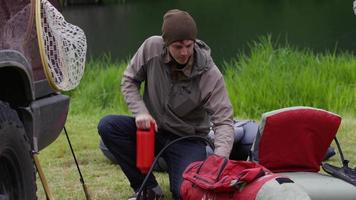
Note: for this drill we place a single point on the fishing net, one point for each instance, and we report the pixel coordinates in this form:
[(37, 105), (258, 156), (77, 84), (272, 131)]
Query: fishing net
[(62, 47)]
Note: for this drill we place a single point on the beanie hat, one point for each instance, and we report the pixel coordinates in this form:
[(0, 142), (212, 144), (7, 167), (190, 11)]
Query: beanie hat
[(178, 25)]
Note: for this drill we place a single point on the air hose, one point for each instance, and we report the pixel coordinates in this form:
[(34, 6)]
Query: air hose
[(162, 151)]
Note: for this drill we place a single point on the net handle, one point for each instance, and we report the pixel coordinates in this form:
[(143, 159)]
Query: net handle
[(41, 47)]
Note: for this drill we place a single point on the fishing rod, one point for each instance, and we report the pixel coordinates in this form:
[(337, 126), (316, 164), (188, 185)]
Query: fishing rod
[(86, 192)]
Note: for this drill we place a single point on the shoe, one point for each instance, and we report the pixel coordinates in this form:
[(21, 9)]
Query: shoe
[(148, 194)]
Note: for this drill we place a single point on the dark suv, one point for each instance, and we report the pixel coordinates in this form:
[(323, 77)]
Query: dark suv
[(31, 114)]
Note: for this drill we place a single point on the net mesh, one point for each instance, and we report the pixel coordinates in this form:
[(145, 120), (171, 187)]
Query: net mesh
[(65, 48)]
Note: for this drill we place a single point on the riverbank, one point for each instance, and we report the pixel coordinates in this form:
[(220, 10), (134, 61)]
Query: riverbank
[(267, 78)]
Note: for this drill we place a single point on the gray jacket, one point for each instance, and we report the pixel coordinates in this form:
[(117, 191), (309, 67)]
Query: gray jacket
[(184, 106)]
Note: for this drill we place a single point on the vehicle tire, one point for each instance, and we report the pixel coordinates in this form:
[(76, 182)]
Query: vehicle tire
[(17, 171)]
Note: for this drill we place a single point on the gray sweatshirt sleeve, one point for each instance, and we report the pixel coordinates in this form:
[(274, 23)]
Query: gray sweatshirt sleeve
[(219, 106), (134, 74)]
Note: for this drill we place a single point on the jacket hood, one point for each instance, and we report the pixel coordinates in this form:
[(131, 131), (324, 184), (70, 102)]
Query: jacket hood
[(203, 60)]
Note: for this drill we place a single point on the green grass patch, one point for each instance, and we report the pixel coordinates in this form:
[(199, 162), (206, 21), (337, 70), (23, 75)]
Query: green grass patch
[(273, 77), (105, 180), (99, 89), (269, 77)]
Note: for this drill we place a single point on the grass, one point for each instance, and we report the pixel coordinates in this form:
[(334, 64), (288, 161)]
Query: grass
[(274, 76), (104, 179), (99, 90), (269, 77)]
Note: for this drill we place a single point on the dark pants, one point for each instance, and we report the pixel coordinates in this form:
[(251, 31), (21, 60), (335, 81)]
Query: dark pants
[(119, 135)]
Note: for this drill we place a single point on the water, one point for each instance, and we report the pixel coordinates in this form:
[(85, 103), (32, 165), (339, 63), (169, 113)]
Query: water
[(226, 26)]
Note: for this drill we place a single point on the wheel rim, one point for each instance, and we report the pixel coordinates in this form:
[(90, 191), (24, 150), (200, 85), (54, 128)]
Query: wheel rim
[(10, 183)]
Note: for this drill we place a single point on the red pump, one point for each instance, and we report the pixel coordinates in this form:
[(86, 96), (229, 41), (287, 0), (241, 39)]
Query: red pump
[(145, 148)]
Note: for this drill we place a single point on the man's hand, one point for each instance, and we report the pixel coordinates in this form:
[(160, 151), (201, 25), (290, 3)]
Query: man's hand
[(143, 121)]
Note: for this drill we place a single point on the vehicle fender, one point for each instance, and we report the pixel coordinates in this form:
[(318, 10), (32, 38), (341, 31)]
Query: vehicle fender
[(15, 78)]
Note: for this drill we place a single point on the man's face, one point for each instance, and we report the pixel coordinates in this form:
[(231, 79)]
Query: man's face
[(181, 50)]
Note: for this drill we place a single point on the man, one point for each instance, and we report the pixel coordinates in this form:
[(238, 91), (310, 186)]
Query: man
[(184, 93)]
